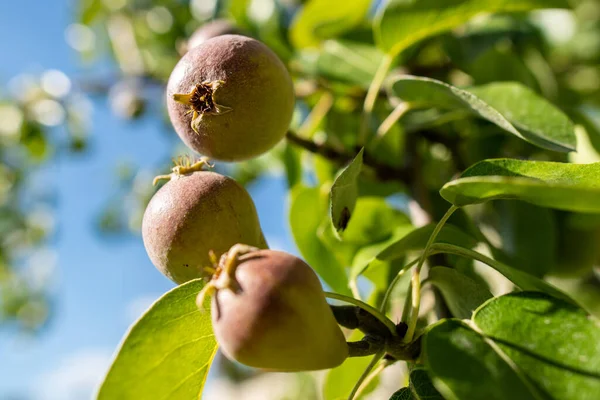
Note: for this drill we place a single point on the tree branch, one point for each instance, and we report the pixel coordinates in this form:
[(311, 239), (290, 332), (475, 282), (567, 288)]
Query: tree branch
[(384, 172)]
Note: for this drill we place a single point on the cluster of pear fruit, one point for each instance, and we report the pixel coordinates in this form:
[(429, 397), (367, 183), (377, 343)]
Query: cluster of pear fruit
[(230, 98)]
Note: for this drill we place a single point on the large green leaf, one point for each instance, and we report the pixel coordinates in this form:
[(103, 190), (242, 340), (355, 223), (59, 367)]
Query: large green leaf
[(568, 187), (324, 19), (519, 346), (403, 23), (462, 294), (465, 365), (344, 193), (510, 106), (529, 112), (168, 351), (554, 344), (307, 209)]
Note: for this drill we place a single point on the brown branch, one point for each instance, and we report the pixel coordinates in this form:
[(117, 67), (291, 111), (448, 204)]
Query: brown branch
[(384, 172)]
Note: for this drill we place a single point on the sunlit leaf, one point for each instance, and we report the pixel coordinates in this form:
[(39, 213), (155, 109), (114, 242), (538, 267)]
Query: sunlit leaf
[(510, 106), (568, 187), (403, 23), (307, 209), (344, 193), (518, 346), (325, 19), (168, 351)]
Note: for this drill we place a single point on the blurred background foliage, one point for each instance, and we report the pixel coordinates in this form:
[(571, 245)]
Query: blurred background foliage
[(138, 42)]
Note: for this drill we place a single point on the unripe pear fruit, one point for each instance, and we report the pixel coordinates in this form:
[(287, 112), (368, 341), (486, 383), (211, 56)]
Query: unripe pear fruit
[(193, 214), (269, 311), (230, 98)]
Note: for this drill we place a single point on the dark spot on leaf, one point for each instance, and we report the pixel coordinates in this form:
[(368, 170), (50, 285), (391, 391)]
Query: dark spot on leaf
[(344, 219)]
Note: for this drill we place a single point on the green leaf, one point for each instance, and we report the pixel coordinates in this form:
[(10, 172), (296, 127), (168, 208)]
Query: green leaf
[(554, 344), (522, 279), (344, 193), (529, 112), (307, 208), (374, 220), (168, 351), (421, 386), (292, 162), (90, 11), (531, 118), (417, 239), (529, 236), (403, 394), (344, 60), (465, 365), (567, 187), (462, 294), (403, 23), (366, 260), (339, 381), (324, 19)]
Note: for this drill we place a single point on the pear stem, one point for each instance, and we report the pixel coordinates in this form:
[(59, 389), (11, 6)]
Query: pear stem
[(371, 310)]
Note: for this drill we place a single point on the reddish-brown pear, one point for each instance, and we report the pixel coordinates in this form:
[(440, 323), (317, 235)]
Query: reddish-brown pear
[(230, 98), (194, 214), (275, 316)]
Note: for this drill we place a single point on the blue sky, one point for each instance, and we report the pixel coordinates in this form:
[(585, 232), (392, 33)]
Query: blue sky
[(101, 285)]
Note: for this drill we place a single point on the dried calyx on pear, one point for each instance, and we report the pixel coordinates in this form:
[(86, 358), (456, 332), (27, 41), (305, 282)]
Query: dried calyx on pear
[(230, 98), (194, 213), (269, 311)]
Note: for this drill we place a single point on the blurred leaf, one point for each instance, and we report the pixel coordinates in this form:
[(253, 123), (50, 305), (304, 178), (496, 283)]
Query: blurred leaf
[(529, 112), (366, 258), (552, 343), (339, 381), (343, 251), (568, 187), (499, 64), (293, 167), (168, 351), (403, 23), (346, 61), (538, 121), (307, 208), (90, 10), (324, 19), (374, 220), (238, 9), (462, 294), (344, 192), (529, 236), (521, 279)]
